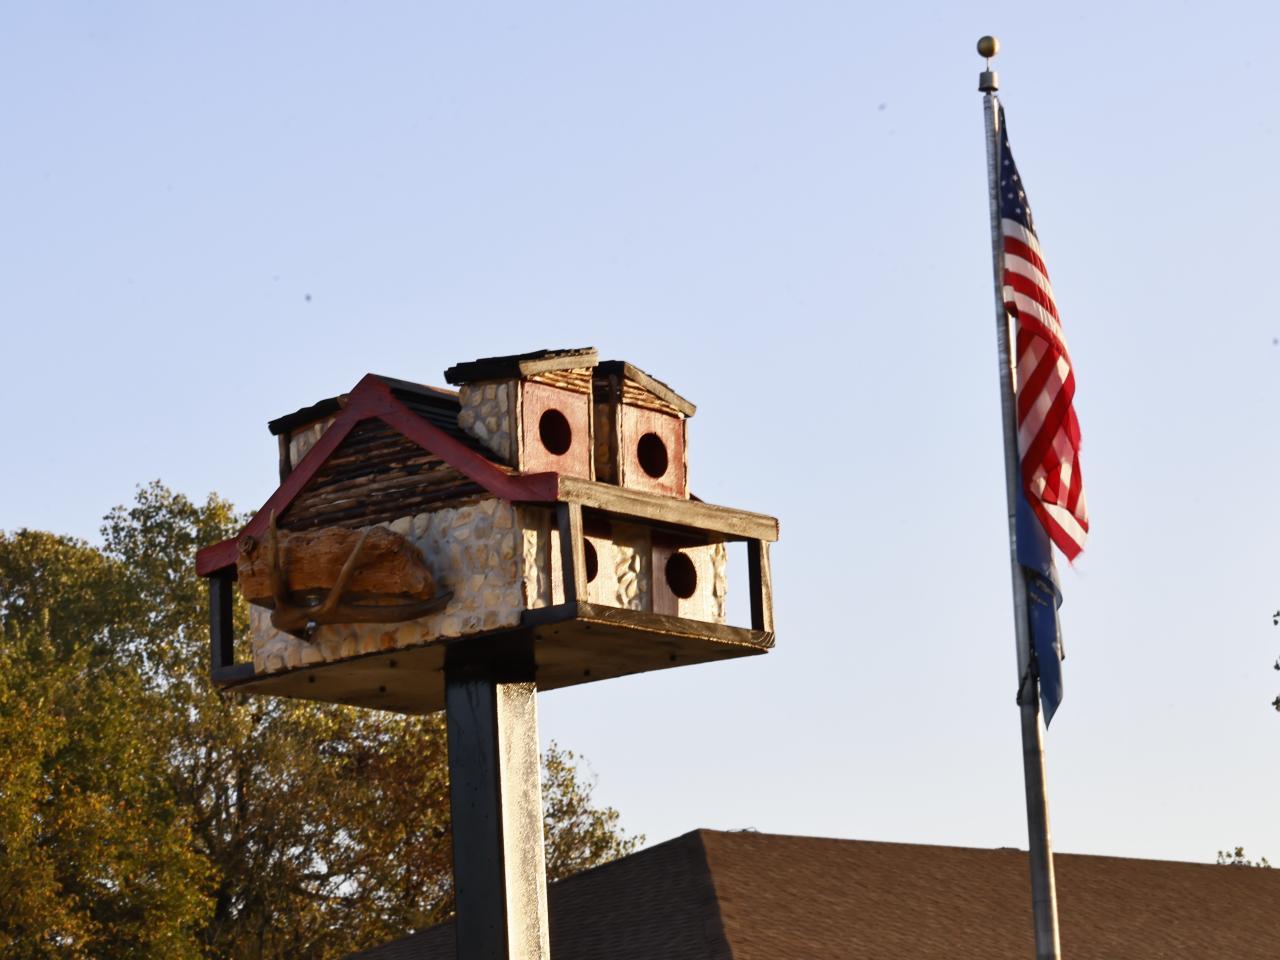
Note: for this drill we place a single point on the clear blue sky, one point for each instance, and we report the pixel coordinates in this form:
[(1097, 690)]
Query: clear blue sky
[(212, 215)]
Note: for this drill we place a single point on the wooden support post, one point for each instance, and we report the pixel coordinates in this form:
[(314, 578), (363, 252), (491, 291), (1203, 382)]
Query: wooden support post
[(499, 873), (573, 561), (222, 631), (222, 635), (761, 578)]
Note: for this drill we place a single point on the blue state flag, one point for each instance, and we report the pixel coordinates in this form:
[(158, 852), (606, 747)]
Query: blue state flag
[(1043, 599)]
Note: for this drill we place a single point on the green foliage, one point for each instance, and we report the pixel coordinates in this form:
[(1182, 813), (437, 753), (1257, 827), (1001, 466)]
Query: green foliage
[(578, 835), (144, 814), (1236, 858), (96, 858)]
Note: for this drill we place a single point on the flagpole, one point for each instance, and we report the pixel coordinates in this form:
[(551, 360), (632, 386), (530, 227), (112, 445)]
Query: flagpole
[(1044, 900)]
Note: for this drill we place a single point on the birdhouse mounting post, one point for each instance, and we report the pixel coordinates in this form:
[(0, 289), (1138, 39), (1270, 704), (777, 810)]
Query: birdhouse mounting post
[(495, 796)]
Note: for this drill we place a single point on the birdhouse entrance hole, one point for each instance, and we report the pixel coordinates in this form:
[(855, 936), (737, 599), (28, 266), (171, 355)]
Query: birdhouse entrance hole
[(555, 432), (652, 454), (682, 575)]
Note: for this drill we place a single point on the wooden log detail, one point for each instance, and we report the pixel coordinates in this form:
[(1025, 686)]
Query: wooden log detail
[(376, 474), (310, 562)]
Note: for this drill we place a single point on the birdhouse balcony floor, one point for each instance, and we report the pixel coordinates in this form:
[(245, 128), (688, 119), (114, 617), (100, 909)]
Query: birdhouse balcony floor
[(570, 643)]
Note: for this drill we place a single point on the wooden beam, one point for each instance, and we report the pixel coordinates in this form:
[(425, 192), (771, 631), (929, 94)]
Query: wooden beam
[(761, 577), (573, 643), (573, 562), (574, 615), (733, 524)]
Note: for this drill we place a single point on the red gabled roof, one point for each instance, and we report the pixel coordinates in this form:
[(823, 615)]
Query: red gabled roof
[(373, 398)]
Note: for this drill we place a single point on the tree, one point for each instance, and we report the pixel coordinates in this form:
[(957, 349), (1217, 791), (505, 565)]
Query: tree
[(1236, 858), (578, 835), (301, 830), (96, 859)]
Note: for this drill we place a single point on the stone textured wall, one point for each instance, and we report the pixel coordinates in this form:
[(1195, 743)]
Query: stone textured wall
[(625, 568), (536, 552), (720, 580), (497, 560), (486, 415), (304, 438), (474, 551)]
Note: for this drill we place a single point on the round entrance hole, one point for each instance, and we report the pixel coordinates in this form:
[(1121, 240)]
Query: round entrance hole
[(652, 454), (593, 561), (682, 575), (555, 432)]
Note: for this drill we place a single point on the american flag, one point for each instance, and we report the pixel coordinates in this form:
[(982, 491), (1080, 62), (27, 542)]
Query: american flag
[(1048, 432)]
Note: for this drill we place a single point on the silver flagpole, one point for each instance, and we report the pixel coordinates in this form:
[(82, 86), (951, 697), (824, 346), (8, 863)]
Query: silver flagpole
[(1044, 898)]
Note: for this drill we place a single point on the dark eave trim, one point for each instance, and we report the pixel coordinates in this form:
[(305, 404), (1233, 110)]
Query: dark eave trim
[(300, 418)]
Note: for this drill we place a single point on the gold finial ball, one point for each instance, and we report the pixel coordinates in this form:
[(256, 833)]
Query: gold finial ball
[(988, 47)]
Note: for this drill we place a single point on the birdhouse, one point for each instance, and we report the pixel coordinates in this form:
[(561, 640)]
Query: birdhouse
[(542, 507)]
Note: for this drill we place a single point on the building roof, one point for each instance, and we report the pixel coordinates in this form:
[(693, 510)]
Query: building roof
[(438, 405), (710, 895), (522, 365)]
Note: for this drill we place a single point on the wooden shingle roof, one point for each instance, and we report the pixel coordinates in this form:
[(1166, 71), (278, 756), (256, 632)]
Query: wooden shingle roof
[(709, 895), (516, 366)]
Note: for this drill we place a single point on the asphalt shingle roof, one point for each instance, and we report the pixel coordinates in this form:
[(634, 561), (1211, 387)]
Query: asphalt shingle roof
[(709, 895)]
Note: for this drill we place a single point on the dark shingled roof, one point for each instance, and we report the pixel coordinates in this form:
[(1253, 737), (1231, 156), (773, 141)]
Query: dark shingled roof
[(520, 365), (709, 895), (434, 404)]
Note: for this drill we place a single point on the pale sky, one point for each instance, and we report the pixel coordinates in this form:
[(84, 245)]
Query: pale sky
[(215, 214)]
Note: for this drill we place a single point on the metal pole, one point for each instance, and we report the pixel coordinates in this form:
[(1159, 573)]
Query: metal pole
[(1044, 900), (499, 872)]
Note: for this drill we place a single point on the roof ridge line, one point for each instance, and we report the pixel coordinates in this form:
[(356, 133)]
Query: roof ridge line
[(717, 933)]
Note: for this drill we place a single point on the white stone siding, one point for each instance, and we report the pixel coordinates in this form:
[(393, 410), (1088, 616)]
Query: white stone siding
[(304, 438), (720, 581), (536, 567), (486, 415), (625, 568), (472, 551)]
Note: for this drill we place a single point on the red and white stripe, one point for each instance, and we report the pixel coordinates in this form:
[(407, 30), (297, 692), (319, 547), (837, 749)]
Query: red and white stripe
[(1048, 432)]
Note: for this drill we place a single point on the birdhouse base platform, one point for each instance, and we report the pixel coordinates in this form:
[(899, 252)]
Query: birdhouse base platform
[(571, 643)]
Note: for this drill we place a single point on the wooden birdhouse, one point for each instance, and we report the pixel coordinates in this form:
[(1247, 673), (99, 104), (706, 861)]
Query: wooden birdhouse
[(543, 508)]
